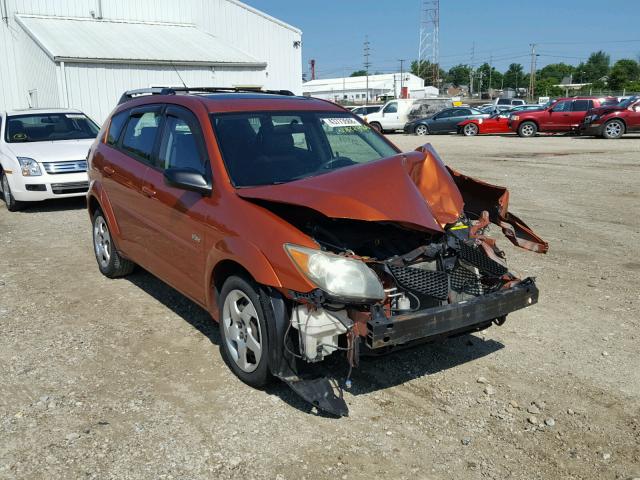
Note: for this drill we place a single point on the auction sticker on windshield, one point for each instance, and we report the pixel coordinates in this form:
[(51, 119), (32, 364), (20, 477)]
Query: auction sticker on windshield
[(341, 122)]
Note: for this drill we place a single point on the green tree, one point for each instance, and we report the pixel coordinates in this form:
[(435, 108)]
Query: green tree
[(359, 73), (515, 77), (556, 72), (458, 75), (426, 70), (547, 87), (487, 72), (623, 72), (595, 68)]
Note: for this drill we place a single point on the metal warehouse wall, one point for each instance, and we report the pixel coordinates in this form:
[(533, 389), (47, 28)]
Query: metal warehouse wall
[(22, 68), (97, 87)]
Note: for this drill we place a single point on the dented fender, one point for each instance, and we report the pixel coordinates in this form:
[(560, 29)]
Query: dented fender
[(479, 196)]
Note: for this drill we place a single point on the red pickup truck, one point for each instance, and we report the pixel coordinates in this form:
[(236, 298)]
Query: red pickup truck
[(565, 115), (613, 121)]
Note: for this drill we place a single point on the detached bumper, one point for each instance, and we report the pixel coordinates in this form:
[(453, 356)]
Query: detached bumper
[(450, 319)]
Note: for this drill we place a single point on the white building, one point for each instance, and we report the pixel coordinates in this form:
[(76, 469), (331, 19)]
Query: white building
[(354, 89), (84, 53)]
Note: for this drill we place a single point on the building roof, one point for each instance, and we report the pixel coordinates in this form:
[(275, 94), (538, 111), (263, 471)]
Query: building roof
[(380, 81), (84, 40)]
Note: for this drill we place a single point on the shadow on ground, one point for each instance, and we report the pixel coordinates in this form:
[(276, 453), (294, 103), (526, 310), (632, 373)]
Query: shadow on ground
[(374, 373), (56, 205)]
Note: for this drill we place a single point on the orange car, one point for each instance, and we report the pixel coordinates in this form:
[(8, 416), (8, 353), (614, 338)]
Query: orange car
[(300, 229)]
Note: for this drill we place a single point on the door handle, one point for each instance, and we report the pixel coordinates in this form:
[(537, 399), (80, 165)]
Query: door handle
[(108, 171), (149, 192)]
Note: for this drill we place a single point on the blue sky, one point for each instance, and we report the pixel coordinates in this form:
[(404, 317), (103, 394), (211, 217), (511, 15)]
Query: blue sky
[(566, 31)]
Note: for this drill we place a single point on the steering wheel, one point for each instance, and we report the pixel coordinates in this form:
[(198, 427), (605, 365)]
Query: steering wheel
[(337, 161)]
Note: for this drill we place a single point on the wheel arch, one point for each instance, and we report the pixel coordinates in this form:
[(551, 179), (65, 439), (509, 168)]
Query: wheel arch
[(96, 198), (620, 119)]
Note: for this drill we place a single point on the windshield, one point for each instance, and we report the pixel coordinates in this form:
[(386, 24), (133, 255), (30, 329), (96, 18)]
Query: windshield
[(48, 127), (265, 148)]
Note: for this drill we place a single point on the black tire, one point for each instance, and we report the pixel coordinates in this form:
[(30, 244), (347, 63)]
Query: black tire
[(260, 375), (12, 204), (613, 129), (110, 262), (376, 126), (527, 129)]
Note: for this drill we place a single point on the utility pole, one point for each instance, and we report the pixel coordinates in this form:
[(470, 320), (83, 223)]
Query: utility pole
[(473, 53), (367, 64), (532, 74), (490, 71), (401, 78)]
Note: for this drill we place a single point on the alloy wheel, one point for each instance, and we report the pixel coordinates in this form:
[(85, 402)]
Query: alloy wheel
[(422, 130), (527, 130), (470, 129), (242, 331), (102, 241), (613, 129)]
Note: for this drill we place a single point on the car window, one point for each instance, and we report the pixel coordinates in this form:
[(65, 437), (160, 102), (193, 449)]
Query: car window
[(140, 134), (580, 105), (461, 112), (562, 106), (444, 114), (391, 108), (504, 101), (181, 145), (116, 126), (359, 111), (517, 102), (372, 109)]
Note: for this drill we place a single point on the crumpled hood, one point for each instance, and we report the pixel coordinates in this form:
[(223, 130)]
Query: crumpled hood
[(412, 188), (57, 151)]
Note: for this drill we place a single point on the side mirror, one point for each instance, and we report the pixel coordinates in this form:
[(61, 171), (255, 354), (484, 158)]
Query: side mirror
[(187, 179)]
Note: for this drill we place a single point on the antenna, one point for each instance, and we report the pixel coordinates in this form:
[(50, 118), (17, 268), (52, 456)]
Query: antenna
[(179, 76), (429, 41)]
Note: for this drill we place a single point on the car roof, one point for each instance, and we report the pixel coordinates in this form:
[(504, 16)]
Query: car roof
[(227, 102), (41, 111)]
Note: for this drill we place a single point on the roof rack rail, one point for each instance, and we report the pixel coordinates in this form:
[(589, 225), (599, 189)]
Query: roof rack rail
[(130, 94)]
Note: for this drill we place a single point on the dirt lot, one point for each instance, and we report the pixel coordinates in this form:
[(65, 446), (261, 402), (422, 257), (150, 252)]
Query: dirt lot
[(123, 378)]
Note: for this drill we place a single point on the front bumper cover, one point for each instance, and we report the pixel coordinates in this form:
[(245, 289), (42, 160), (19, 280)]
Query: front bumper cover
[(447, 320)]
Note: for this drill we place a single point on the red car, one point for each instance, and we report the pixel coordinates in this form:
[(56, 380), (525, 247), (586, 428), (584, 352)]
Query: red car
[(565, 115), (497, 123), (613, 121)]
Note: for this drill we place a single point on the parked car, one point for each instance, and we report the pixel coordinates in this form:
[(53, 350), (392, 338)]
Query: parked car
[(392, 116), (513, 102), (272, 212), (496, 123), (365, 110), (564, 115), (445, 121), (613, 121), (43, 155)]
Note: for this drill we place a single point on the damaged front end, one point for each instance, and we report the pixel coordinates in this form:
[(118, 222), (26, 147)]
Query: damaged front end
[(384, 283)]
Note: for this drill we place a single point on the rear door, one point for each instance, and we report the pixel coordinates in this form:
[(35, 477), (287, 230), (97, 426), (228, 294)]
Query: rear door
[(131, 138), (177, 217), (579, 110)]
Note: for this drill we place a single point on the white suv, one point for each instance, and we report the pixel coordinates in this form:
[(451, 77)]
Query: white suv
[(43, 155)]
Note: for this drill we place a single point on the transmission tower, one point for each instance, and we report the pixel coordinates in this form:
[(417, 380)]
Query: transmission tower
[(367, 63), (428, 47)]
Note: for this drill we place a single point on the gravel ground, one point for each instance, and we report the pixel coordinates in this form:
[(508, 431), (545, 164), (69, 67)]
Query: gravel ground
[(123, 379)]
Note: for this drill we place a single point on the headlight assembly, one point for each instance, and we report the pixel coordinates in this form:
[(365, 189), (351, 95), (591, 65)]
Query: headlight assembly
[(29, 167), (338, 276), (515, 117)]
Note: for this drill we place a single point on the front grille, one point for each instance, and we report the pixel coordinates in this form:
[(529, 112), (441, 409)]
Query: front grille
[(72, 187), (478, 258), (427, 282), (75, 166), (464, 280)]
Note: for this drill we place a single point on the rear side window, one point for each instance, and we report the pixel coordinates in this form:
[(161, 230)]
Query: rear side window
[(581, 105), (462, 112), (115, 127), (140, 134)]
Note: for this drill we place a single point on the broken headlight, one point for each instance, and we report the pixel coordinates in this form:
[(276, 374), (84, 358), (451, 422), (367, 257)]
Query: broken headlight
[(337, 275)]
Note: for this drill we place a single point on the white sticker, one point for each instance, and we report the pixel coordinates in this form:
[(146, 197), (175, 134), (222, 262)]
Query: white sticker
[(73, 116), (341, 122)]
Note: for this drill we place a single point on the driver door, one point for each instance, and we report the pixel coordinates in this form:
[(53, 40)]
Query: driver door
[(559, 118), (391, 117)]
